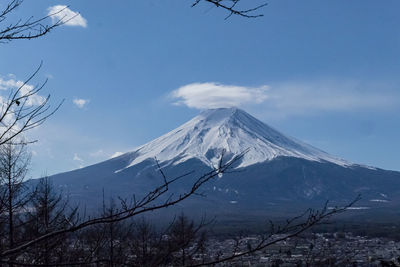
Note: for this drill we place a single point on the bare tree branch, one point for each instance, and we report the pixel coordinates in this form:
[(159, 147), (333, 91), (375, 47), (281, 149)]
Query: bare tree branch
[(18, 114), (29, 28), (292, 228), (231, 7), (144, 205)]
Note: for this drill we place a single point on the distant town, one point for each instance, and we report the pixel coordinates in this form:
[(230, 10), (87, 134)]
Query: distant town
[(314, 249)]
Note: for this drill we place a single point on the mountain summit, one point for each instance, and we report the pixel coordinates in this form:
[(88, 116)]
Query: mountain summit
[(233, 131)]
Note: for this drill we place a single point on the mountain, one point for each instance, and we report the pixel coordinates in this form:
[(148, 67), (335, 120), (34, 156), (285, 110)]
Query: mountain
[(277, 174), (232, 130)]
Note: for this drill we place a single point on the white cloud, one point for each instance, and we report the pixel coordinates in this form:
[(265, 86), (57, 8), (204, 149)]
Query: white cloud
[(11, 83), (77, 158), (80, 103), (14, 84), (214, 95), (8, 87), (66, 15), (116, 154)]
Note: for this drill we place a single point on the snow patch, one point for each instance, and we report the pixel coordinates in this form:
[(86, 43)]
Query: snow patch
[(379, 200), (350, 208)]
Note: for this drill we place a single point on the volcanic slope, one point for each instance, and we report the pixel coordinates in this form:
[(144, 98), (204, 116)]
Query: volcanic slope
[(276, 173)]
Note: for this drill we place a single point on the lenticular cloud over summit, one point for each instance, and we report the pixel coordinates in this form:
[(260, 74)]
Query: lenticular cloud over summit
[(215, 95)]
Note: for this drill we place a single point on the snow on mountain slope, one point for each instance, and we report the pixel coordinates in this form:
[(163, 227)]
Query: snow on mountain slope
[(230, 129)]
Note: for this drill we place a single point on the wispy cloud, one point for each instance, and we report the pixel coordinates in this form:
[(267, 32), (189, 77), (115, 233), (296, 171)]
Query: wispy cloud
[(66, 15), (98, 154), (80, 103), (116, 154), (77, 158), (290, 98), (318, 96), (215, 95)]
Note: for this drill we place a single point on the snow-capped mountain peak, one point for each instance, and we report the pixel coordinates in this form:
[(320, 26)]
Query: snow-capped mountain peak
[(231, 130)]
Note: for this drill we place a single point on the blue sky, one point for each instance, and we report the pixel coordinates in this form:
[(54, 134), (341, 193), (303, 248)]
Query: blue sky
[(325, 72)]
